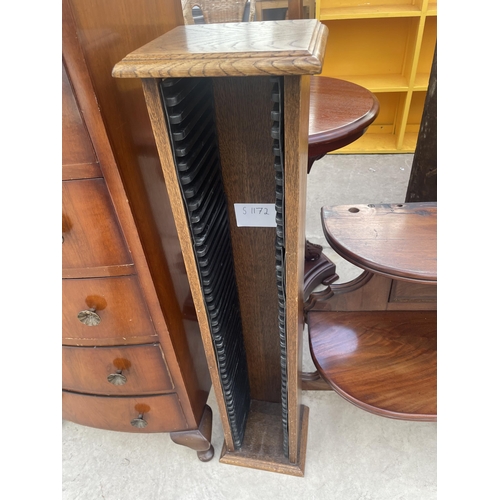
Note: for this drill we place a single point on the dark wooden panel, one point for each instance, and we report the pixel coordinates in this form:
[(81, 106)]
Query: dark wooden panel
[(422, 185), (295, 9), (142, 369), (92, 235), (249, 177), (120, 304), (384, 362), (162, 413), (405, 292)]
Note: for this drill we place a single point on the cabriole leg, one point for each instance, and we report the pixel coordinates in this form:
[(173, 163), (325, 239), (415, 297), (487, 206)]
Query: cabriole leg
[(198, 439)]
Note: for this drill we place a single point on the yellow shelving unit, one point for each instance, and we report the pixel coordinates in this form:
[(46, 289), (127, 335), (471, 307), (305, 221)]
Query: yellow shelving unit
[(386, 46)]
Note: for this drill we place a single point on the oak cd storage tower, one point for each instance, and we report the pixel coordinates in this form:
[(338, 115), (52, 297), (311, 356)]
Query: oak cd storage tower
[(386, 46), (229, 107)]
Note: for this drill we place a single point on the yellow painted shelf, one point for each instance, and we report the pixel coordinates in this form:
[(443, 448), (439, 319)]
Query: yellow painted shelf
[(372, 143), (368, 11), (386, 46), (377, 82)]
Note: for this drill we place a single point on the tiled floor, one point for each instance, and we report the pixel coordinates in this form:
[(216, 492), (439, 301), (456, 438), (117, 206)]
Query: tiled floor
[(351, 454)]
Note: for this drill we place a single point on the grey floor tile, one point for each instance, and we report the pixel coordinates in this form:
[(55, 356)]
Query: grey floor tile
[(351, 455)]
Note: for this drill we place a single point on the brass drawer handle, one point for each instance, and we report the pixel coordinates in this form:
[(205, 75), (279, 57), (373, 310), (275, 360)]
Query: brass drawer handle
[(117, 378), (89, 317), (139, 422)]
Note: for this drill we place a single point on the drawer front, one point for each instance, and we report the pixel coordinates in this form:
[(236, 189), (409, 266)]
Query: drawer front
[(78, 156), (122, 314), (403, 291), (92, 237), (162, 413), (113, 371)]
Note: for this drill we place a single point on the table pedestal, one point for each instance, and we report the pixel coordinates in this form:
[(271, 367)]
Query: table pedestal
[(339, 113)]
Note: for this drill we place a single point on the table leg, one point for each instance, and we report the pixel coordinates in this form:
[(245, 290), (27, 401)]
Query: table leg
[(318, 271)]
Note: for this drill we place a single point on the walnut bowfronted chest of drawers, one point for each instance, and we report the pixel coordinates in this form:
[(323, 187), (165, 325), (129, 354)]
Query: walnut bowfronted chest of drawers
[(133, 357)]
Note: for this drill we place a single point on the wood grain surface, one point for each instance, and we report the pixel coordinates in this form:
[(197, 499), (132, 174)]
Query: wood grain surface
[(243, 49), (249, 177), (92, 236), (382, 361), (162, 413), (295, 182), (396, 240), (404, 292), (230, 49), (263, 446), (125, 318), (95, 36), (79, 160), (142, 366), (340, 113)]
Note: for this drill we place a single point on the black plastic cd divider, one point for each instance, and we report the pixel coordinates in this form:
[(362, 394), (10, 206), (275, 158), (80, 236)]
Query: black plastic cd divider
[(277, 115), (189, 111)]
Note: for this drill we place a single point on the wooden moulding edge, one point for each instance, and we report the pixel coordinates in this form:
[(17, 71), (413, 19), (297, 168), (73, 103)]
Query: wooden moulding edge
[(282, 66)]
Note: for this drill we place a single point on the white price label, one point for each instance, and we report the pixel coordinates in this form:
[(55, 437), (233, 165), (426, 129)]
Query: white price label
[(255, 214)]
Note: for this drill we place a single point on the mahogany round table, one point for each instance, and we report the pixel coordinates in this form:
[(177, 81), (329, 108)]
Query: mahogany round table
[(339, 113)]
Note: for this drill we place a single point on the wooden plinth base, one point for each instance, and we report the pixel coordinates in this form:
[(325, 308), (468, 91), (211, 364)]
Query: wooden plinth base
[(263, 443)]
